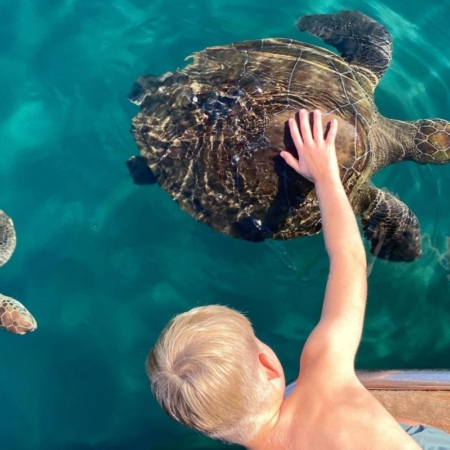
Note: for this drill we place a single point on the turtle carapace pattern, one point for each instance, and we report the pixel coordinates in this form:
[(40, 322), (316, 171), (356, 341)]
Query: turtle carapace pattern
[(7, 238), (14, 317), (211, 134)]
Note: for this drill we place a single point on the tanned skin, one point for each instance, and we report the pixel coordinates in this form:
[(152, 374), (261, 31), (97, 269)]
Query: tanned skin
[(329, 409)]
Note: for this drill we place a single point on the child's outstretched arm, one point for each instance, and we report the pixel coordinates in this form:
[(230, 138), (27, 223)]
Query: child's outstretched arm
[(335, 340)]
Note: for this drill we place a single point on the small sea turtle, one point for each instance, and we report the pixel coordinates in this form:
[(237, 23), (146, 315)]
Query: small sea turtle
[(211, 134), (14, 317)]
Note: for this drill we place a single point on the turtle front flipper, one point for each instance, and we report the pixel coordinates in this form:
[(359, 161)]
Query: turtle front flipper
[(361, 41), (389, 225), (14, 317)]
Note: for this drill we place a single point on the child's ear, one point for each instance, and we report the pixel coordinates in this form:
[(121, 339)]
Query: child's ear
[(270, 367)]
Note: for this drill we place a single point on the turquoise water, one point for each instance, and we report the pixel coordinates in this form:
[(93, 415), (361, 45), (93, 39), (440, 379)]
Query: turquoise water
[(103, 264)]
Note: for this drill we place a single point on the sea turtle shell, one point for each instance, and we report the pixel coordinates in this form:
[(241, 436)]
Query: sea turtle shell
[(212, 133), (14, 317)]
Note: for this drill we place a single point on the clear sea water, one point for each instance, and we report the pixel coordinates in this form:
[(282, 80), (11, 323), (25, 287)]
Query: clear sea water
[(104, 264)]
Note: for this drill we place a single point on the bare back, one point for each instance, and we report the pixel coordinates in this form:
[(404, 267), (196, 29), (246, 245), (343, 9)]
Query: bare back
[(323, 414)]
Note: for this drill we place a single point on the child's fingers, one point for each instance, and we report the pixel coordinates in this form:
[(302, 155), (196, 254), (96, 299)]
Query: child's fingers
[(290, 160), (305, 127), (318, 131), (295, 134), (332, 132)]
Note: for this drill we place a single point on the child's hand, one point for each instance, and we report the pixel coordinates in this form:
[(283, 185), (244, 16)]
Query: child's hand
[(317, 156)]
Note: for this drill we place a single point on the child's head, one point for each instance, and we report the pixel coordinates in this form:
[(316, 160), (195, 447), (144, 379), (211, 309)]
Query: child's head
[(205, 373)]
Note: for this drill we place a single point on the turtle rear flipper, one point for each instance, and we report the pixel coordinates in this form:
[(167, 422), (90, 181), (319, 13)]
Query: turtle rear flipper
[(389, 225), (145, 86), (139, 170), (361, 41)]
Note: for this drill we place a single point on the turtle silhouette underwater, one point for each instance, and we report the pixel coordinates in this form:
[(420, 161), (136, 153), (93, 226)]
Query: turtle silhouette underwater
[(14, 317), (210, 134)]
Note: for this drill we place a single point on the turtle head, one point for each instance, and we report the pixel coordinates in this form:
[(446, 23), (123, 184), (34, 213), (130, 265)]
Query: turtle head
[(14, 317), (432, 142)]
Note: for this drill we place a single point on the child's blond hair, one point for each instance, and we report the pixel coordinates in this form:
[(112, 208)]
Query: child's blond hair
[(205, 374)]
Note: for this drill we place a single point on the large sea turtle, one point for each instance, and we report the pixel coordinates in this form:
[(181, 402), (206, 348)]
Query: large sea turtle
[(212, 132), (14, 317)]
